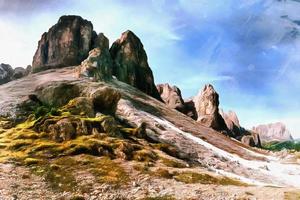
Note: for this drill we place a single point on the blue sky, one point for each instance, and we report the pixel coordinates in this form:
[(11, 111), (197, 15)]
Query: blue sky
[(248, 49)]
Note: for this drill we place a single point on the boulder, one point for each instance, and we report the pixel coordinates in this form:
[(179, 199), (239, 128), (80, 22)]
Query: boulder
[(207, 107), (105, 99), (6, 72), (19, 72), (61, 131), (252, 140), (171, 95), (67, 43), (273, 132), (97, 66), (57, 93), (131, 64)]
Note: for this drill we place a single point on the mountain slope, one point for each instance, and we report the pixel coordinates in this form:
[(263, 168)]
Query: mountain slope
[(197, 144)]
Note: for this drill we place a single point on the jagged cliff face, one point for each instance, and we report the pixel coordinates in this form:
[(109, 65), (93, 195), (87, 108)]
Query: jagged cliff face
[(273, 132), (131, 64), (66, 43)]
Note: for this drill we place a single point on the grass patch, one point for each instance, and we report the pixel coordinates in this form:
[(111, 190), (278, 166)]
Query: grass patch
[(172, 163), (165, 197), (278, 146), (292, 195), (191, 177)]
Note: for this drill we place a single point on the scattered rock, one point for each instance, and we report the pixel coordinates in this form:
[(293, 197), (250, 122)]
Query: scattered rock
[(207, 107), (6, 72), (67, 43), (131, 64)]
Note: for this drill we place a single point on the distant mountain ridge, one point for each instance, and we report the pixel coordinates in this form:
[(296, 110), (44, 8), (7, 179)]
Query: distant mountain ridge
[(273, 132)]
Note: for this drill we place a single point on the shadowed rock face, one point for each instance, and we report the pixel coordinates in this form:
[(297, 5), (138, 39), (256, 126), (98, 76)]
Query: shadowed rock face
[(207, 107), (66, 43), (6, 72), (131, 64), (232, 123), (273, 132), (171, 96)]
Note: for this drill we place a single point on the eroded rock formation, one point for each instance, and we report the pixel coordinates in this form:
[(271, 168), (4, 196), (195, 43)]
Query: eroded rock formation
[(66, 43), (171, 95), (207, 107), (131, 64), (97, 66)]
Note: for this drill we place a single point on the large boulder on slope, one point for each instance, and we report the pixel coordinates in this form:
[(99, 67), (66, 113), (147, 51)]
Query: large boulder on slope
[(66, 43), (252, 140), (171, 95), (207, 107), (105, 99), (6, 72), (273, 132), (19, 72), (131, 64)]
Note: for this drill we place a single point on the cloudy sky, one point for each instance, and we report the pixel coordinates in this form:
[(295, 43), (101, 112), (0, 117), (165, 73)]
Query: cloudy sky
[(248, 49)]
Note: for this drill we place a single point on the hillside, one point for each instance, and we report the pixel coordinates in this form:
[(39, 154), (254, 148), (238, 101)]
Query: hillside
[(88, 122)]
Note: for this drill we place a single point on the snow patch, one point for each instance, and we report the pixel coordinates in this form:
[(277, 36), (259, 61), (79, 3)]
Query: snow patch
[(284, 174)]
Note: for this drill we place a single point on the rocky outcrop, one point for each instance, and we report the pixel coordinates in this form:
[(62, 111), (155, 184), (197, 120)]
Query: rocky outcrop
[(66, 43), (131, 64), (100, 41), (6, 72), (189, 108), (171, 95), (232, 123), (19, 72), (273, 132), (251, 139), (207, 107), (99, 64)]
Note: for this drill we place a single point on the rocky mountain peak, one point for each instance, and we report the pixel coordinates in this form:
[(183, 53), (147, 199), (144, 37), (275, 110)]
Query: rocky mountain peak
[(66, 43), (131, 63)]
